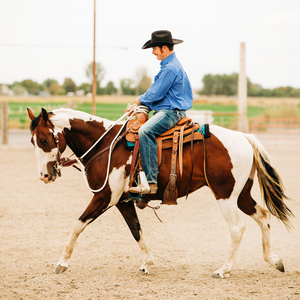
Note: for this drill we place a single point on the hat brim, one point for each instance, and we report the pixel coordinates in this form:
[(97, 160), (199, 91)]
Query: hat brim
[(148, 44)]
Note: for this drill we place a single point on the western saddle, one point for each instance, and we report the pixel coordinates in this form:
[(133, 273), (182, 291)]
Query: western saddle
[(184, 132)]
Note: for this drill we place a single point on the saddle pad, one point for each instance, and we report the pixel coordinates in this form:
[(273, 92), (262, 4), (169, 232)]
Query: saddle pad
[(205, 130)]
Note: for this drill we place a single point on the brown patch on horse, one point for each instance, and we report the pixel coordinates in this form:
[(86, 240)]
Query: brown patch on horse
[(218, 168), (245, 202)]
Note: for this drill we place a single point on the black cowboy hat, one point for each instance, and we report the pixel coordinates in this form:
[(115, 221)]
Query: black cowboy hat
[(160, 38)]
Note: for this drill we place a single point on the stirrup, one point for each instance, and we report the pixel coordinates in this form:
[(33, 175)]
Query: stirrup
[(139, 189), (143, 186)]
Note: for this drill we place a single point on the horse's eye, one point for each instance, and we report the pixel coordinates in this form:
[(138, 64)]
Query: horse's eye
[(45, 143)]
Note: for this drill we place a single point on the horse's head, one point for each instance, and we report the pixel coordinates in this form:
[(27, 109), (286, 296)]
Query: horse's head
[(48, 145)]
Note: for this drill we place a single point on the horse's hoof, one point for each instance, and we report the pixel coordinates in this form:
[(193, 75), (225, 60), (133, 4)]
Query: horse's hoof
[(141, 204), (216, 276), (280, 266), (60, 269), (143, 270)]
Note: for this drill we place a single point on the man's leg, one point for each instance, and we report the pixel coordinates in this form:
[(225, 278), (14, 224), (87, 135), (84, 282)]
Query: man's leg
[(162, 121)]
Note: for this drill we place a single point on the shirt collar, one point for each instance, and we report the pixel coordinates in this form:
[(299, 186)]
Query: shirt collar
[(167, 59)]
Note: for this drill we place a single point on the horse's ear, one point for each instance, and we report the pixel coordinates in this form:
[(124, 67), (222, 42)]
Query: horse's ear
[(30, 114), (44, 115)]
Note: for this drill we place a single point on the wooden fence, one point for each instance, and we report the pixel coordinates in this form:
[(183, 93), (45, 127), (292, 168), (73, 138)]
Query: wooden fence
[(272, 132)]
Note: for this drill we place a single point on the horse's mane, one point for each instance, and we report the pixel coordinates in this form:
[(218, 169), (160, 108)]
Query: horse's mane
[(34, 123)]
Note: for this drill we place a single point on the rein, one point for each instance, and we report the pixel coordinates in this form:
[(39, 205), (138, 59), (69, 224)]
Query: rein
[(65, 162)]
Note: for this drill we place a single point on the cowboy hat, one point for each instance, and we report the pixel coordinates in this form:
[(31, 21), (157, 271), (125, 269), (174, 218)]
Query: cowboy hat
[(160, 38)]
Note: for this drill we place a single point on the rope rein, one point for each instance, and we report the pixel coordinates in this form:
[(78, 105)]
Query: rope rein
[(111, 147)]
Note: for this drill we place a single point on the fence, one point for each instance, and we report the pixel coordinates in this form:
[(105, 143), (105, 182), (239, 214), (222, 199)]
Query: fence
[(276, 132), (273, 132)]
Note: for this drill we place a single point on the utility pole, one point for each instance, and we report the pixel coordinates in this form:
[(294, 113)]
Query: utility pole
[(94, 66), (242, 93)]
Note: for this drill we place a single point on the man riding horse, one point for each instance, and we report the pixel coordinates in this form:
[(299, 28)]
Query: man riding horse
[(169, 96)]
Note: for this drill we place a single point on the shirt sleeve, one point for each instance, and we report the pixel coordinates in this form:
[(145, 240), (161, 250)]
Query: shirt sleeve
[(159, 88)]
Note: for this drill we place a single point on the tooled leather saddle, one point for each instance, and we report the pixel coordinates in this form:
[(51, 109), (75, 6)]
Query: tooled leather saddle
[(185, 131)]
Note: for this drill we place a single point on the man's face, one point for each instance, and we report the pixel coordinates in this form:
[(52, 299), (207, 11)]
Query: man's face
[(159, 53)]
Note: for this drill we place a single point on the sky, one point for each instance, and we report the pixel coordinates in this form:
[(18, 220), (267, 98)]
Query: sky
[(42, 39)]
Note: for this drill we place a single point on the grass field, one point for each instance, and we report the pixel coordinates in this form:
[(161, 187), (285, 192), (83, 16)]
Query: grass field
[(112, 107)]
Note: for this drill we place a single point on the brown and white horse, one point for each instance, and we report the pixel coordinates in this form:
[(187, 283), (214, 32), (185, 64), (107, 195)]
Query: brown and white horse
[(231, 161)]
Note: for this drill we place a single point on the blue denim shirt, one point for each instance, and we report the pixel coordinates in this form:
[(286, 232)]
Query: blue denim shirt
[(171, 88)]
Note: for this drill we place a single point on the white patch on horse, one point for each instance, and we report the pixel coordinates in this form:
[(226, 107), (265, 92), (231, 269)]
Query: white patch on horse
[(118, 183), (240, 152), (61, 118), (78, 227), (43, 158)]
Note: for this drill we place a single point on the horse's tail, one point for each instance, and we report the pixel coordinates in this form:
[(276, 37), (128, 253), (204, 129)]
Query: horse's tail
[(270, 183)]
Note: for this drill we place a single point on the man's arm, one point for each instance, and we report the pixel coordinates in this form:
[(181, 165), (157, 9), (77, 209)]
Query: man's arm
[(159, 88)]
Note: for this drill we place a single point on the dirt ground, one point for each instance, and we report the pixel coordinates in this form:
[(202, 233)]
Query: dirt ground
[(192, 242)]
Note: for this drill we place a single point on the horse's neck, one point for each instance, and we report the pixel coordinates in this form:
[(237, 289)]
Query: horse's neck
[(81, 130), (66, 118), (81, 137)]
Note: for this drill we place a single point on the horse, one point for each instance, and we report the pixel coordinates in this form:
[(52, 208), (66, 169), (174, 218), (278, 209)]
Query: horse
[(226, 162)]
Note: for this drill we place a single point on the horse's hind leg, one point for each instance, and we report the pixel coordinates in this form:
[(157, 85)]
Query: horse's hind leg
[(262, 218), (236, 227), (128, 211)]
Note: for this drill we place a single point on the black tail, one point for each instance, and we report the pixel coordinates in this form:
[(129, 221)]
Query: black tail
[(270, 183)]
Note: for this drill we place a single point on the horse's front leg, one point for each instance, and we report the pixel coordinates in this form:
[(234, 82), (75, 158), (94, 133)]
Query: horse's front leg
[(93, 211), (128, 211)]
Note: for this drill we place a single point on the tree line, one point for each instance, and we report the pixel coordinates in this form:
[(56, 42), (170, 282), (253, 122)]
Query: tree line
[(228, 85), (212, 85), (127, 86)]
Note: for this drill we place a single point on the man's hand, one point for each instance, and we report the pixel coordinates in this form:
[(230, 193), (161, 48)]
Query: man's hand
[(130, 108), (137, 101)]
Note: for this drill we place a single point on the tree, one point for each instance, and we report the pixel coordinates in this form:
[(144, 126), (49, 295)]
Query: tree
[(86, 87), (48, 82), (110, 88), (99, 75), (221, 84), (126, 86), (32, 87), (19, 90), (69, 85), (56, 89), (144, 82)]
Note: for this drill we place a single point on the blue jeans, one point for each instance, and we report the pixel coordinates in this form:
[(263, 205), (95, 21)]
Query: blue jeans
[(161, 121)]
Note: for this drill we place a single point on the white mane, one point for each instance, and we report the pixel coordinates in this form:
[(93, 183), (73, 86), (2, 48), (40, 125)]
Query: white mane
[(61, 118)]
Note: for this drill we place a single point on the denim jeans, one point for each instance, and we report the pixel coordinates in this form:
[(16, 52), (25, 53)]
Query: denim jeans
[(161, 121)]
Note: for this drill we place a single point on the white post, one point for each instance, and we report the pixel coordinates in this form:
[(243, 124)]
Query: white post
[(242, 93), (4, 122)]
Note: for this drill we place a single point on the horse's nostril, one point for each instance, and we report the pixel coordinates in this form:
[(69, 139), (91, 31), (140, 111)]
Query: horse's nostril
[(46, 175)]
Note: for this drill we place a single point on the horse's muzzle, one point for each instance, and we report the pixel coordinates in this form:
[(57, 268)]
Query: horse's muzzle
[(51, 174)]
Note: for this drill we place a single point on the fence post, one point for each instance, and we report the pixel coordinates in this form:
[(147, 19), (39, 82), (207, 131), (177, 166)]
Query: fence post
[(71, 104), (4, 122), (242, 93)]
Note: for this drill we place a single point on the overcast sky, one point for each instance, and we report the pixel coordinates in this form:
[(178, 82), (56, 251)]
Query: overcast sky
[(42, 39)]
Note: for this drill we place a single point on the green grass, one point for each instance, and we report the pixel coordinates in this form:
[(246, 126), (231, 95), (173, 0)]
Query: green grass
[(18, 114)]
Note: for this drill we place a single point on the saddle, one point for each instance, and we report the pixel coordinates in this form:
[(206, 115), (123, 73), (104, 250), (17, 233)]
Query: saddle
[(185, 131)]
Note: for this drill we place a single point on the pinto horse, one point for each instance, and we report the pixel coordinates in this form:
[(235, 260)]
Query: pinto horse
[(226, 162)]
